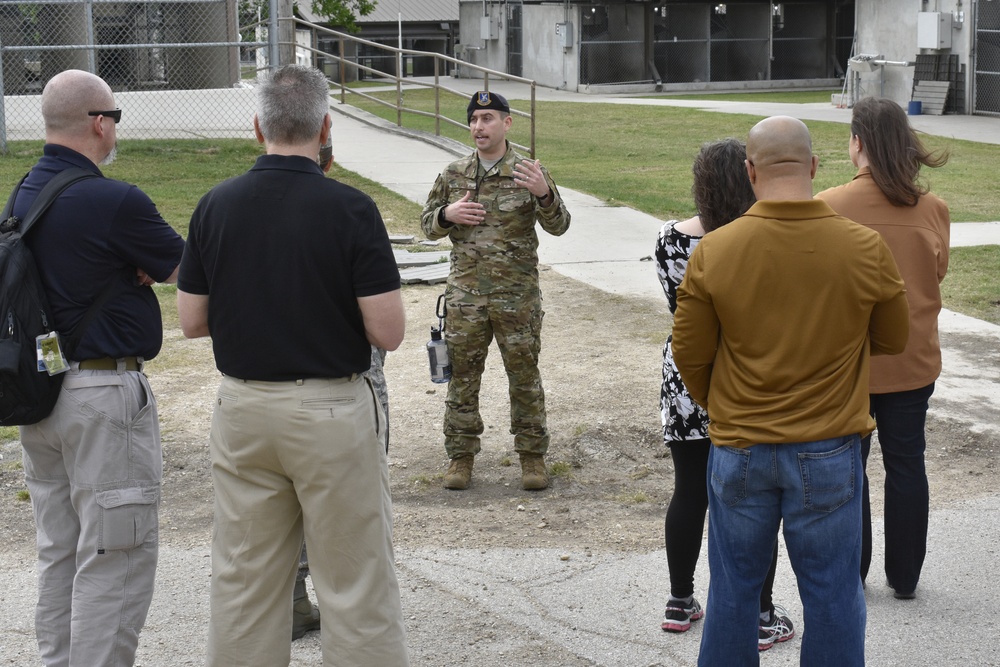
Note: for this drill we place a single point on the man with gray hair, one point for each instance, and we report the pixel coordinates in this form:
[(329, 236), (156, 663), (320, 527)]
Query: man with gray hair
[(292, 275), (94, 465)]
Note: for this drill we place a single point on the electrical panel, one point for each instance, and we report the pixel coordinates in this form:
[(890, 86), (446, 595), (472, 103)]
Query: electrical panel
[(489, 28), (565, 33), (933, 30)]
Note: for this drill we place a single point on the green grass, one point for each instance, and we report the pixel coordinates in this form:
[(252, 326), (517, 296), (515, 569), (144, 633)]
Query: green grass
[(176, 173), (784, 96), (972, 286), (560, 469), (628, 155), (640, 156), (9, 434), (632, 498)]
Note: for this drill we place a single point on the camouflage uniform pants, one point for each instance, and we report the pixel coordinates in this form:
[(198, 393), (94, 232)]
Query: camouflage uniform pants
[(515, 319)]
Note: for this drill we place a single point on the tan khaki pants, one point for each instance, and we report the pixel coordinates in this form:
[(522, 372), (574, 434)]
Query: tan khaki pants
[(287, 458)]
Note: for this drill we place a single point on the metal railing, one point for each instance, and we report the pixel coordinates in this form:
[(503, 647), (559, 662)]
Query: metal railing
[(352, 64), (204, 87)]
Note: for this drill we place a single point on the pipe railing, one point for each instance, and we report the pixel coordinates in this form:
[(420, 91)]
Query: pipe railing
[(398, 80)]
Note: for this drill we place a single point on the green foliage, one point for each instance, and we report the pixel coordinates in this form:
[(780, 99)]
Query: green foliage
[(342, 13), (9, 434)]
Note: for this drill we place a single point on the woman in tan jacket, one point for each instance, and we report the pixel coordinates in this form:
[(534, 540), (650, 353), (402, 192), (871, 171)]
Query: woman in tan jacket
[(886, 196)]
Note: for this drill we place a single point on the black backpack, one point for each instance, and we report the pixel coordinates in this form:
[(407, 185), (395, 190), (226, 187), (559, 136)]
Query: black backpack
[(28, 395)]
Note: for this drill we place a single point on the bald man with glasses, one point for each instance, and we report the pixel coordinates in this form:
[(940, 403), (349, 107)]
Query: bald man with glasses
[(93, 466)]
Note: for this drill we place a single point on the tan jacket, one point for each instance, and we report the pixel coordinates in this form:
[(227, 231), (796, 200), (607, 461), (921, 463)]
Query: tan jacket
[(775, 319), (918, 237)]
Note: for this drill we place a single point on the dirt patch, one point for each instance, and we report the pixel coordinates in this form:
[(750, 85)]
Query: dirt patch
[(601, 370)]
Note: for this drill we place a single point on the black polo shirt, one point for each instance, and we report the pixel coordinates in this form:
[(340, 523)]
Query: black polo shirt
[(283, 252), (100, 230)]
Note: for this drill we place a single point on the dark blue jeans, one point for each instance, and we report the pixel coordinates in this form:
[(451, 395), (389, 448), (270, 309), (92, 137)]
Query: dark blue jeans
[(812, 488), (900, 419)]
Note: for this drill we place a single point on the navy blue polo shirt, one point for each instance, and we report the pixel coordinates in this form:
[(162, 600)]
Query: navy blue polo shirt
[(283, 253), (100, 230)]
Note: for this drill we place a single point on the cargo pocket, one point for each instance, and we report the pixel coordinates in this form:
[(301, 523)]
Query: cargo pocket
[(128, 517)]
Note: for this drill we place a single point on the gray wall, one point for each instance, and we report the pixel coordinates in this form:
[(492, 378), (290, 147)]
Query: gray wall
[(544, 58), (889, 28)]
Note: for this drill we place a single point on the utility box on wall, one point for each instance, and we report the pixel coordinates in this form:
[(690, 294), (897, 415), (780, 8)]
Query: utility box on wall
[(488, 28), (565, 32), (933, 30)]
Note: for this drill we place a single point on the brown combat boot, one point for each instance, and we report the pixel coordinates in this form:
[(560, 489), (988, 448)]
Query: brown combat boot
[(305, 615), (533, 475), (459, 474)]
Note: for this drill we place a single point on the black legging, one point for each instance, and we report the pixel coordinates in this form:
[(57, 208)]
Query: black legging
[(684, 525)]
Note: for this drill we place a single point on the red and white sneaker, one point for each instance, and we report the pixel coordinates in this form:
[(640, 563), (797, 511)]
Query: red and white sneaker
[(778, 629), (678, 615)]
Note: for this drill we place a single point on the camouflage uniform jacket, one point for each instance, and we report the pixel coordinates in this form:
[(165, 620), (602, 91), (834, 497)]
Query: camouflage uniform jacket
[(501, 253)]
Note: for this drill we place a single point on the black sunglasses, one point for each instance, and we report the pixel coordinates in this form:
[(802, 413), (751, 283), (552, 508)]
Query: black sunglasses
[(114, 114)]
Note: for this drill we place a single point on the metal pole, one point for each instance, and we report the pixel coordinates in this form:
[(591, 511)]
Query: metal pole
[(3, 116), (437, 98), (88, 9), (343, 78), (533, 114), (272, 34)]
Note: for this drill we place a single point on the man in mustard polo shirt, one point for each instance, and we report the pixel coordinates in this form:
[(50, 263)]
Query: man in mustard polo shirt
[(775, 319)]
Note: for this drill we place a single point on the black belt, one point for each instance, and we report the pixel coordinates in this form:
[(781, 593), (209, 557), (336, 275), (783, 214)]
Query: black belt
[(109, 364)]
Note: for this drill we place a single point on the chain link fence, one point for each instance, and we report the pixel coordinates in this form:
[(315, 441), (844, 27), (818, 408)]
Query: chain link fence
[(179, 69), (987, 59)]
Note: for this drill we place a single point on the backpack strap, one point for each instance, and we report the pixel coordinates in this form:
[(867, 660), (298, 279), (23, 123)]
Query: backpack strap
[(49, 194)]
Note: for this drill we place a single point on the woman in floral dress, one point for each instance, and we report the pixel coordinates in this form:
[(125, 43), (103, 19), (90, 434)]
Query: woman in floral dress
[(722, 193)]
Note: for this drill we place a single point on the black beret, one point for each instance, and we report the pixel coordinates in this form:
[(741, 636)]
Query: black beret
[(484, 99)]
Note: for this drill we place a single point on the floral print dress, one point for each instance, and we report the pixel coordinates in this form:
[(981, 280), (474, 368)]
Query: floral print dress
[(682, 418)]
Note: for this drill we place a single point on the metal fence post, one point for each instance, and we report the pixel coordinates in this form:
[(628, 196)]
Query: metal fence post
[(272, 35), (88, 10), (3, 117)]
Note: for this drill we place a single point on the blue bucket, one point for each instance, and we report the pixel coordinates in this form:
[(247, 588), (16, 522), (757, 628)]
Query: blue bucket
[(915, 108)]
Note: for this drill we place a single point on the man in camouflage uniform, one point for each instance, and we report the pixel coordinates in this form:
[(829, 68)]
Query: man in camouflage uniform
[(487, 204)]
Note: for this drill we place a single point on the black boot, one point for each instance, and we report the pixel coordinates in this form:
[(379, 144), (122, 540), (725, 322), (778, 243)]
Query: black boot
[(305, 615)]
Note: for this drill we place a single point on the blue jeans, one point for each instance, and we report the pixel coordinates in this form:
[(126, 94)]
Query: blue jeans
[(900, 417), (815, 489)]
